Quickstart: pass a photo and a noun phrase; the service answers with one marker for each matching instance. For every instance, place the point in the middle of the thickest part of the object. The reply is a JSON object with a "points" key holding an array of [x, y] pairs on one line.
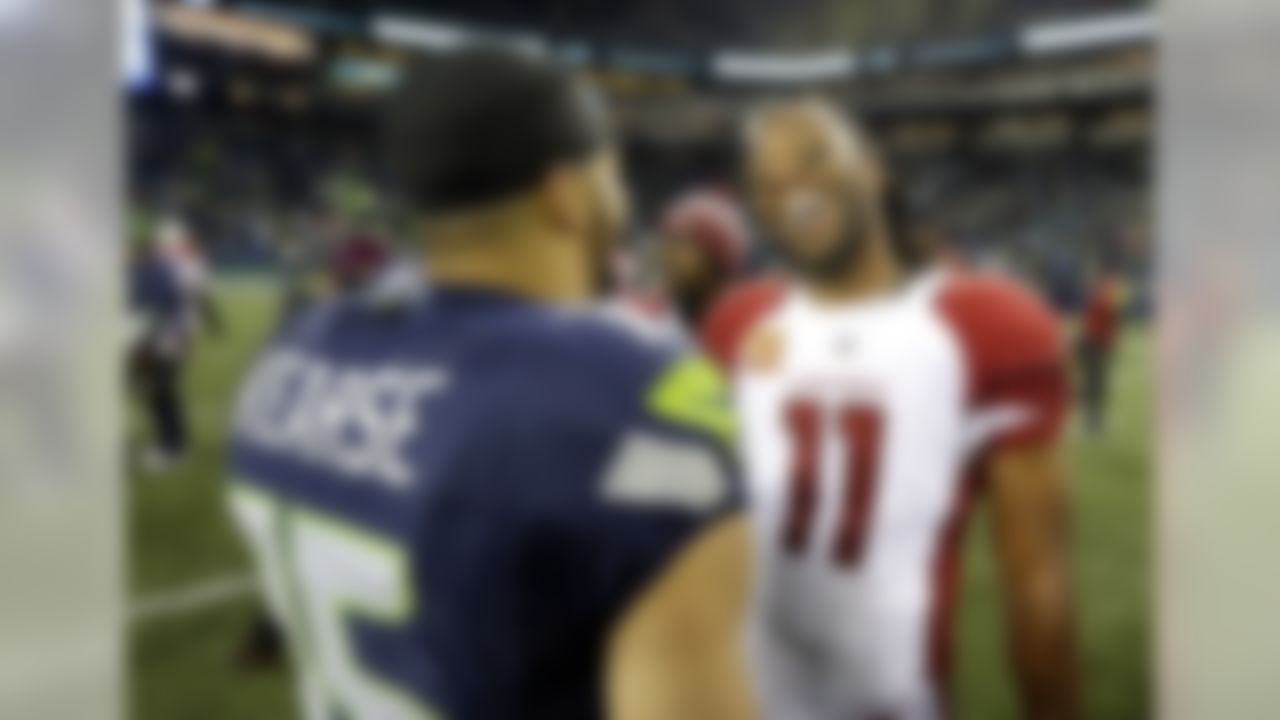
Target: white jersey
{"points": [[858, 425]]}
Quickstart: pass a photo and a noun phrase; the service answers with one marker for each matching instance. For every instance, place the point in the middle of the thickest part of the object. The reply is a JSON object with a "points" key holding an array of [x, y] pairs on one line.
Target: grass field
{"points": [[191, 609]]}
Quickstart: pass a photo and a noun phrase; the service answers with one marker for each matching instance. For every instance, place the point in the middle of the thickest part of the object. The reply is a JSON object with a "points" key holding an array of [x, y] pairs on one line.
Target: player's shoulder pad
{"points": [[579, 393], [663, 379], [690, 392], [678, 453], [735, 313], [606, 343], [1001, 324]]}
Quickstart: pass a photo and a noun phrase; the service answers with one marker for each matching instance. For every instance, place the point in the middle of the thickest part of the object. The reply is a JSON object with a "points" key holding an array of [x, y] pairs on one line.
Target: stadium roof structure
{"points": [[1090, 66], [731, 43], [682, 25]]}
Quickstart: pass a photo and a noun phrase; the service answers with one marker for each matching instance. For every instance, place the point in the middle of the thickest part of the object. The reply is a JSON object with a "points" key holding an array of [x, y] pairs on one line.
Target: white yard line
{"points": [[192, 598]]}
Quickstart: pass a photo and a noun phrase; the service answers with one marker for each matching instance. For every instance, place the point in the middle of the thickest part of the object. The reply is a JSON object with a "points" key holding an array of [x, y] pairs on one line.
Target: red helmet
{"points": [[358, 257], [711, 219]]}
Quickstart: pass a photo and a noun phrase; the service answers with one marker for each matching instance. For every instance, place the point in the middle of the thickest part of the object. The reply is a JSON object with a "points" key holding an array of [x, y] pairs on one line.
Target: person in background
{"points": [[303, 257], [358, 258], [159, 330], [178, 248], [1096, 346], [701, 251]]}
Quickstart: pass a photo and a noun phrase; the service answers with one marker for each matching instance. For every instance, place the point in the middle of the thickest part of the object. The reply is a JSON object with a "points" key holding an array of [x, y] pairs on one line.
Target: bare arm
{"points": [[1030, 513], [678, 653]]}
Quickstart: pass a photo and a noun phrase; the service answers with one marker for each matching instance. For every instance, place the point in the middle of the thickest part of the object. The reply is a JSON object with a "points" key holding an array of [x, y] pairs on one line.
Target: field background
{"points": [[192, 599]]}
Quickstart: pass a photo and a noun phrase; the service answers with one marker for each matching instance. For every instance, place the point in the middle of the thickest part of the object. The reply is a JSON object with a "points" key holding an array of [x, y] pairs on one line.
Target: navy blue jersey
{"points": [[451, 502]]}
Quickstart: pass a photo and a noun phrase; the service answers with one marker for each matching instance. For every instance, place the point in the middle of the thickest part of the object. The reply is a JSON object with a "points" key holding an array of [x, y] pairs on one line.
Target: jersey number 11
{"points": [[859, 430]]}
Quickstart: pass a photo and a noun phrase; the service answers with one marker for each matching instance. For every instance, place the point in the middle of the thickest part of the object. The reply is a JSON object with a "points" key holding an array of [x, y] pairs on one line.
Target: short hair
{"points": [[477, 125]]}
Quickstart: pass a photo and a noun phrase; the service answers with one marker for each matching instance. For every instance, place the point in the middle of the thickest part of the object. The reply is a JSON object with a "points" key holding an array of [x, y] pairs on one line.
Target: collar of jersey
{"points": [[913, 285], [477, 296]]}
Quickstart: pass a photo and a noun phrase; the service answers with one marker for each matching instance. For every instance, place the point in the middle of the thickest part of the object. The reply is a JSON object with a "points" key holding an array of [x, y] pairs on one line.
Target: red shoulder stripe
{"points": [[733, 315]]}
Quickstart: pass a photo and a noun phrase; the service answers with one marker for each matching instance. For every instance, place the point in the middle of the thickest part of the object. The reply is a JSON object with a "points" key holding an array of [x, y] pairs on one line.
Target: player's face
{"points": [[684, 263], [811, 183], [692, 279]]}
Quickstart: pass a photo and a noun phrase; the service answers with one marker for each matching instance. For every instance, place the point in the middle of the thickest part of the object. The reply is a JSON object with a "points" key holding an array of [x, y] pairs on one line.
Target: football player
{"points": [[483, 502], [878, 398], [701, 252], [703, 249]]}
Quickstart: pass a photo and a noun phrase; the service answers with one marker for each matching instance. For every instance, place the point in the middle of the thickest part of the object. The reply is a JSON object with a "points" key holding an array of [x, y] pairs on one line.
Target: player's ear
{"points": [[560, 199]]}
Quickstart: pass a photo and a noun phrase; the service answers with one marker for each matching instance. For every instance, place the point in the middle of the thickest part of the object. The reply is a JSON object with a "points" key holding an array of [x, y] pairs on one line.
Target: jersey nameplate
{"points": [[356, 421]]}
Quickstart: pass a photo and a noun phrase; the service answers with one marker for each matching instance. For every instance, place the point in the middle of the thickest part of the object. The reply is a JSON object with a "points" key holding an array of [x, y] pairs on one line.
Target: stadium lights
{"points": [[421, 34], [436, 36], [737, 65], [1087, 34], [236, 31], [740, 66]]}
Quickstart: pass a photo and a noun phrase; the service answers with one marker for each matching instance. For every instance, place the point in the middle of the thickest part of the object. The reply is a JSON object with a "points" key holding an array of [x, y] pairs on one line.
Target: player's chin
{"points": [[815, 260]]}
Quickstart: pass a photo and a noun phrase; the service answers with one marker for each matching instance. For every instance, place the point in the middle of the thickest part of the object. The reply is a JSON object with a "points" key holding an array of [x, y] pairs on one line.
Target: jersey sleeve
{"points": [[612, 491], [1017, 378], [725, 327]]}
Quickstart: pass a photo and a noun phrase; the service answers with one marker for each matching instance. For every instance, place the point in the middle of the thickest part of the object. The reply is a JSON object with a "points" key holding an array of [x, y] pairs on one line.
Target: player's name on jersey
{"points": [[356, 421]]}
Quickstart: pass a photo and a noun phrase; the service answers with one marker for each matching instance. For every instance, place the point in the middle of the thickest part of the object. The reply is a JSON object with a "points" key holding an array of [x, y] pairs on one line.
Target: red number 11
{"points": [[860, 430]]}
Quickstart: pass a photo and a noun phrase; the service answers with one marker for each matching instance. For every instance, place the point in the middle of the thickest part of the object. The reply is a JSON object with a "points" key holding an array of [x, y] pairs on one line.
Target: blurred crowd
{"points": [[257, 201]]}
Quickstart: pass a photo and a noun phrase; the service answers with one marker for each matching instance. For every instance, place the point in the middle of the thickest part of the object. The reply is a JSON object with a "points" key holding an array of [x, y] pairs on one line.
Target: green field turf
{"points": [[180, 538]]}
